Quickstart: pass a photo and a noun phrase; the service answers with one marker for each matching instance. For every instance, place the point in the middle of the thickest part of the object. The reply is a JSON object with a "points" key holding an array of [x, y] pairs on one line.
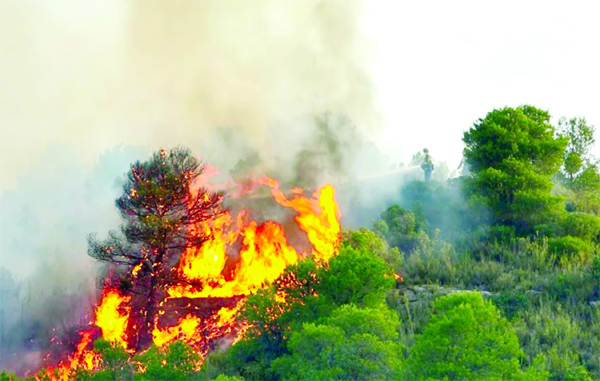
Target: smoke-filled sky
{"points": [[88, 87], [444, 64]]}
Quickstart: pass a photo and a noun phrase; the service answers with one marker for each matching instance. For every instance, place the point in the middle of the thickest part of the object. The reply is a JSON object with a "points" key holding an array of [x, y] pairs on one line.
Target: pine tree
{"points": [[158, 210]]}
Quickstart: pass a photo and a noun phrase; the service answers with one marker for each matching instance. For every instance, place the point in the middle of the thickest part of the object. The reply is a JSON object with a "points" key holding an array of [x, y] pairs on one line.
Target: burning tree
{"points": [[182, 266], [159, 213]]}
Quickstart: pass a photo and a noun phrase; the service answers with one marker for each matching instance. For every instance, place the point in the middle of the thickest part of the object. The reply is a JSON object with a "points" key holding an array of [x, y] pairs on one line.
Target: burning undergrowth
{"points": [[186, 264]]}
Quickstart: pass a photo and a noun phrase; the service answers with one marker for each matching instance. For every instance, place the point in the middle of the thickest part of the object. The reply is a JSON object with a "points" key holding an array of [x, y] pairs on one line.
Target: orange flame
{"points": [[263, 253], [185, 329], [112, 315], [82, 358], [318, 217]]}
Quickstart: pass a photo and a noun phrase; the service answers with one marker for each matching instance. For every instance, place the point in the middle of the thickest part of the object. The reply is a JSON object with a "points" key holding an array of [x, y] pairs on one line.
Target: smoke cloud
{"points": [[157, 73], [282, 88]]}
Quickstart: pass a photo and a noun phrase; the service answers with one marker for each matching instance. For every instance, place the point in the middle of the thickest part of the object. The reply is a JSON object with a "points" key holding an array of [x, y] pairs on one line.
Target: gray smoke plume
{"points": [[157, 73], [282, 88]]}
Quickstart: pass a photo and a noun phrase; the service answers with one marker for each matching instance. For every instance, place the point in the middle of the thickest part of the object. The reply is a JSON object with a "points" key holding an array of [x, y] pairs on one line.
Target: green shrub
{"points": [[352, 344], [467, 338], [502, 233], [433, 265], [568, 245], [511, 303], [570, 344], [413, 314], [582, 225], [222, 377], [364, 239], [402, 229], [355, 276], [573, 287]]}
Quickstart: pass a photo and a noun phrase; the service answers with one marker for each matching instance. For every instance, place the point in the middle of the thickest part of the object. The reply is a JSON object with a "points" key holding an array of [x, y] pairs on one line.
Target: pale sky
{"points": [[79, 78], [444, 64], [68, 77]]}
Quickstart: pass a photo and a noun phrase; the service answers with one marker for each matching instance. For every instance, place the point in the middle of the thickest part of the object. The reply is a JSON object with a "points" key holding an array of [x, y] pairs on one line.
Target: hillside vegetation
{"points": [[492, 275]]}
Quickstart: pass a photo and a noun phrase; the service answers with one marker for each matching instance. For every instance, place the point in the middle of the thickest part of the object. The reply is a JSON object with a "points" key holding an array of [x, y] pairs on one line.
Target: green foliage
{"points": [[517, 194], [249, 359], [513, 154], [177, 361], [355, 276], [4, 376], [401, 228], [468, 339], [568, 346], [223, 377], [581, 136], [523, 133], [572, 286], [576, 224], [353, 343], [594, 270], [573, 164], [115, 364], [501, 233], [568, 245], [584, 226], [372, 242], [588, 180]]}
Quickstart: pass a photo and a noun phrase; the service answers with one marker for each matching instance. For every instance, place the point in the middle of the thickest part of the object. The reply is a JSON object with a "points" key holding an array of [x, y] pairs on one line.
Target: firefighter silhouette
{"points": [[427, 164]]}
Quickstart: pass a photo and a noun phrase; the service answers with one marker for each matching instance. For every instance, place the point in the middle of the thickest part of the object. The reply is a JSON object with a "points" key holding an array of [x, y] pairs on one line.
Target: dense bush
{"points": [[468, 339], [569, 347], [352, 344], [568, 245], [402, 228], [313, 312]]}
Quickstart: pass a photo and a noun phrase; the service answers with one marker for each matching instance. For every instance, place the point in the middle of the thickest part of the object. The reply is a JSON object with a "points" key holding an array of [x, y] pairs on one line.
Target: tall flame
{"points": [[112, 315], [238, 258], [318, 217]]}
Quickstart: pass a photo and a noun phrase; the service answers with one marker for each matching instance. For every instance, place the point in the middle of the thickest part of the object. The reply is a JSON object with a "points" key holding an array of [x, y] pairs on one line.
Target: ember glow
{"points": [[239, 257]]}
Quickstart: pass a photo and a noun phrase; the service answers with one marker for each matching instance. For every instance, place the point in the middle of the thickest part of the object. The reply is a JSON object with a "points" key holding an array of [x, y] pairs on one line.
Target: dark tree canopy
{"points": [[158, 210], [523, 134], [513, 154]]}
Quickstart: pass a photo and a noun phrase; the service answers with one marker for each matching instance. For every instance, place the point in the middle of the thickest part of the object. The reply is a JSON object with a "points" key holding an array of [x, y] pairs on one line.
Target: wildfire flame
{"points": [[82, 358], [261, 253], [112, 315]]}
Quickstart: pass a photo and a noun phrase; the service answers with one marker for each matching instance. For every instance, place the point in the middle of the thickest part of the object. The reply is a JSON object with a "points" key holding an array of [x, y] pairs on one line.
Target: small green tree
{"points": [[355, 276], [401, 228], [352, 344], [176, 361], [364, 239], [158, 209], [466, 338], [513, 154], [581, 139]]}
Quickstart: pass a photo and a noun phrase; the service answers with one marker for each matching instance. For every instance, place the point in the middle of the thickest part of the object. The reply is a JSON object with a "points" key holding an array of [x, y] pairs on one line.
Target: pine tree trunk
{"points": [[151, 306]]}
